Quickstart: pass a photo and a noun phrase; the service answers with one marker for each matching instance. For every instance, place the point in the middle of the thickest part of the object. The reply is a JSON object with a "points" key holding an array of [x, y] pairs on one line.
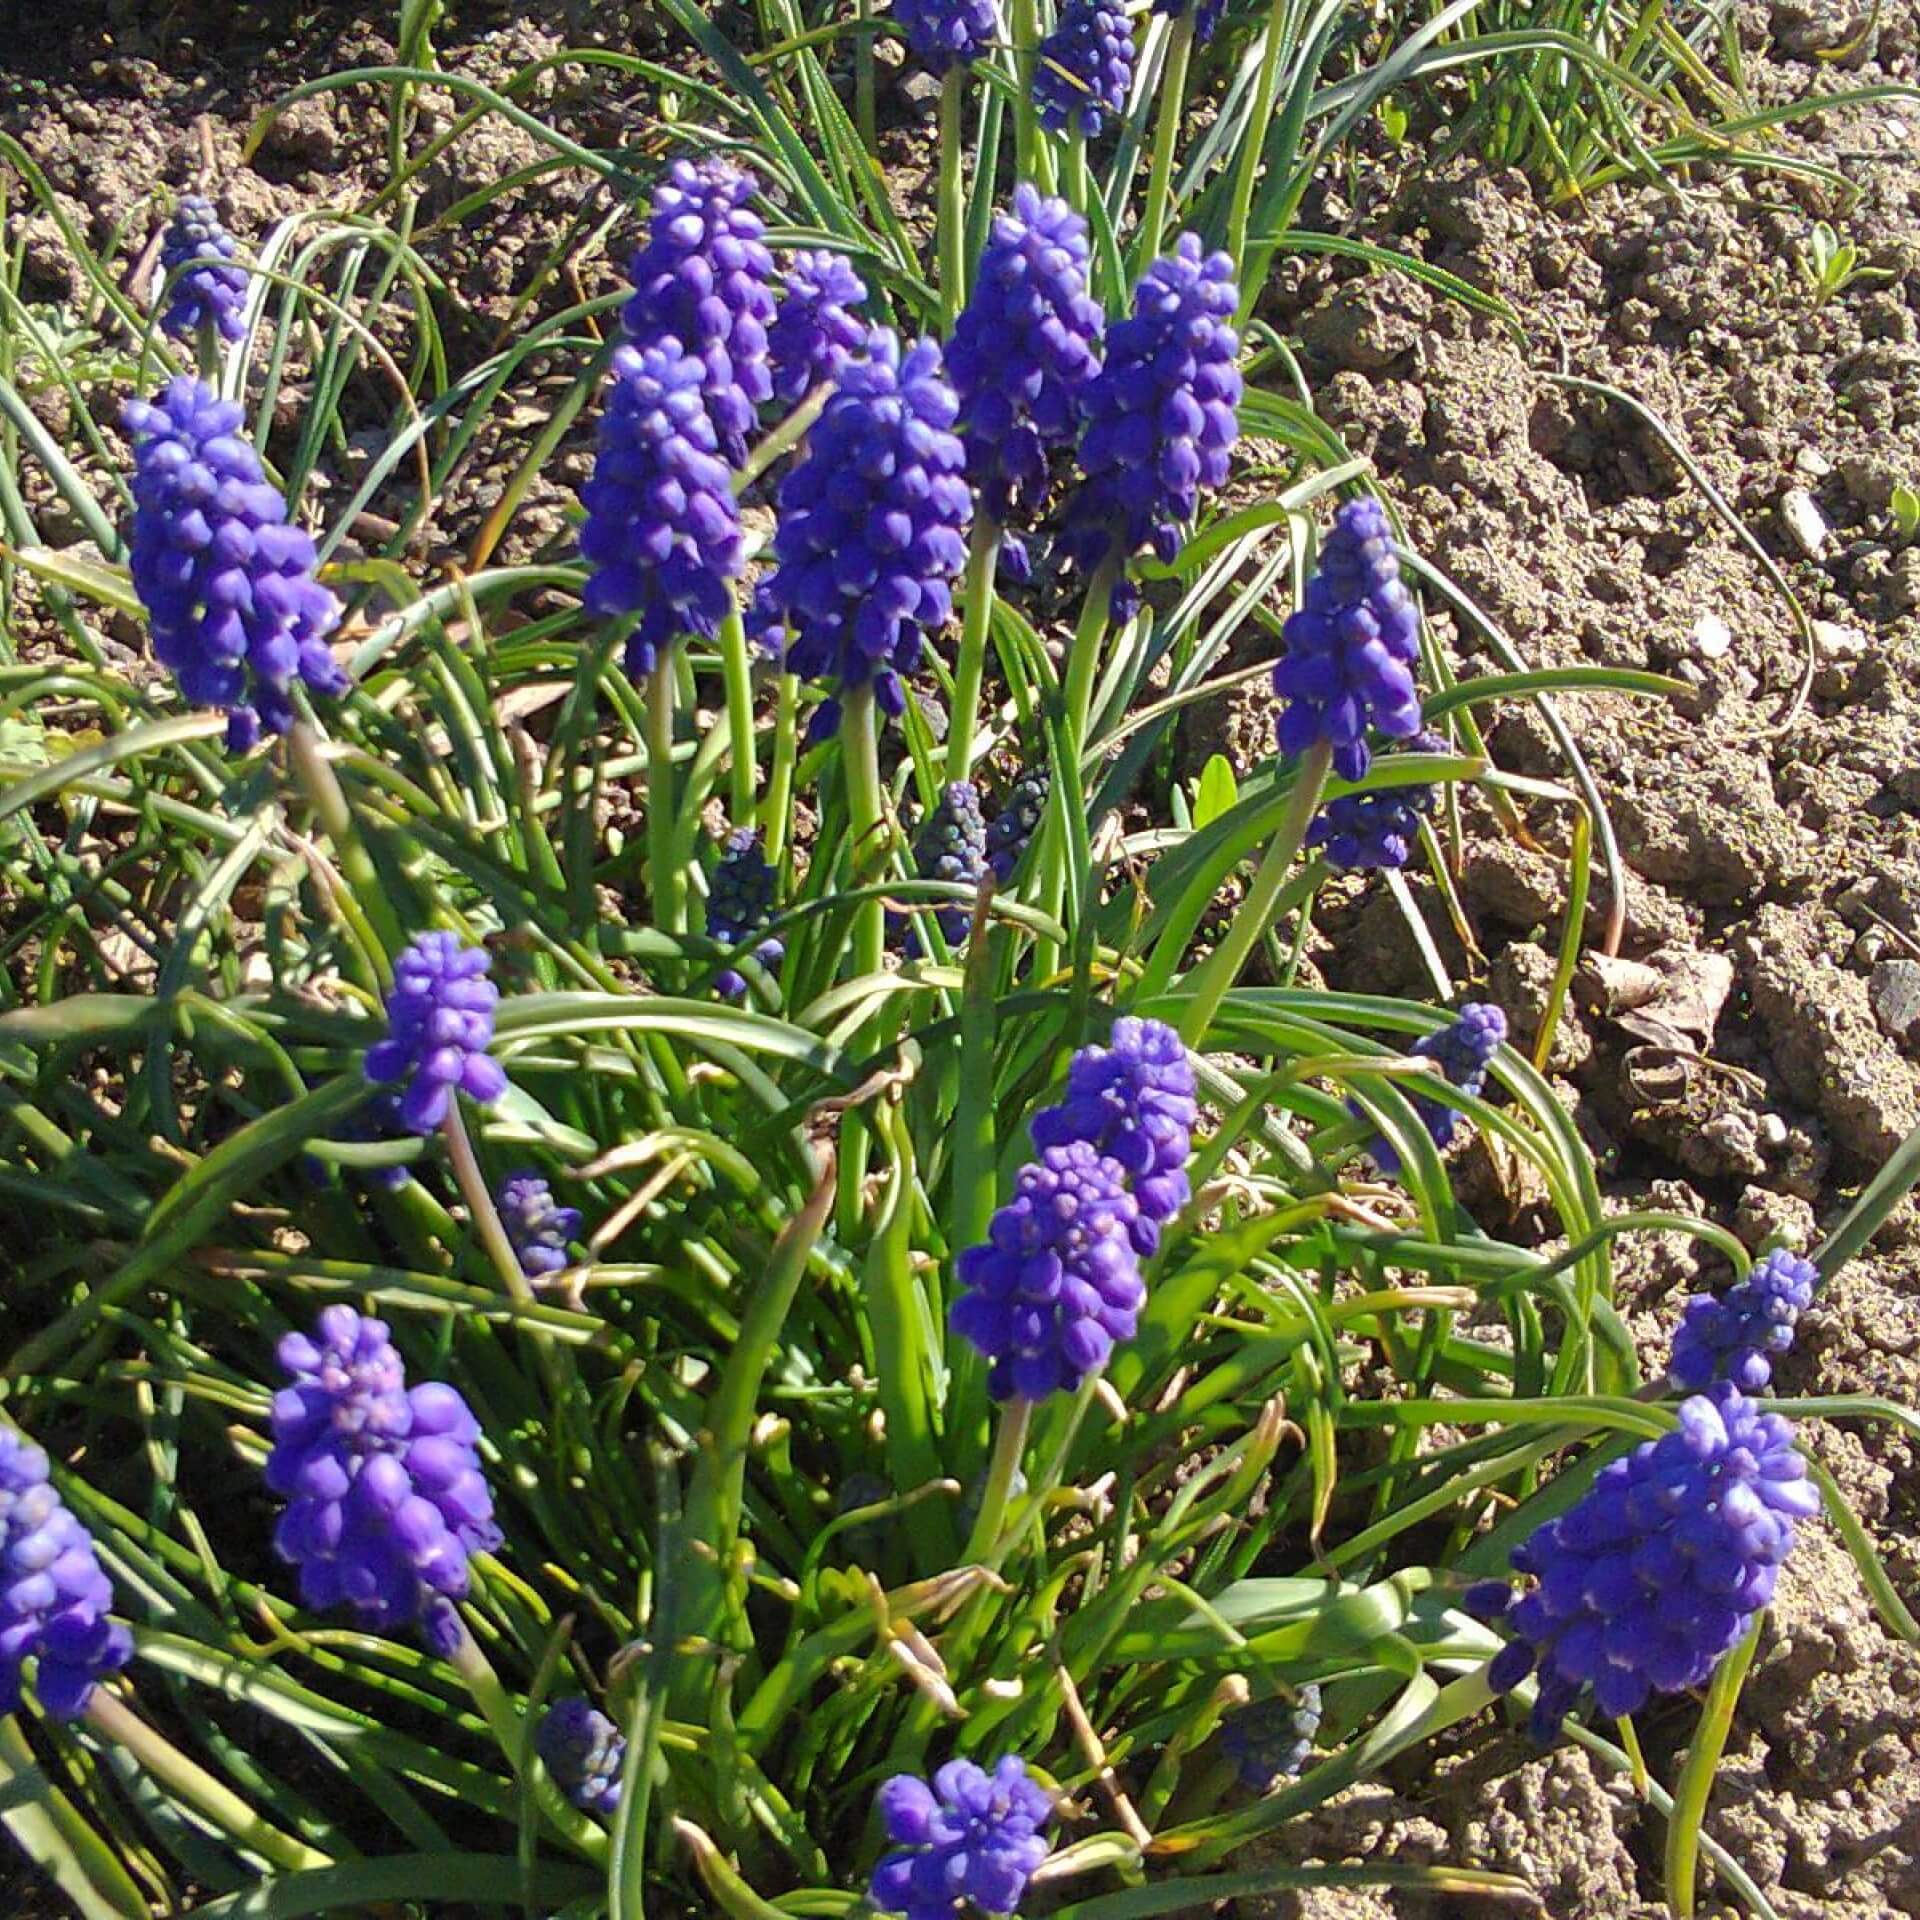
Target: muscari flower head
{"points": [[1734, 1335], [1351, 647], [952, 846], [1056, 1284], [439, 1027], [53, 1595], [212, 291], [816, 330], [942, 34], [1084, 68], [1024, 349], [584, 1752], [873, 526], [739, 904], [1133, 1101], [1206, 15], [1659, 1568], [965, 1837], [538, 1228], [228, 585], [386, 1498], [1270, 1740], [662, 532], [1162, 415], [1363, 831], [705, 278], [1018, 820], [1465, 1051]]}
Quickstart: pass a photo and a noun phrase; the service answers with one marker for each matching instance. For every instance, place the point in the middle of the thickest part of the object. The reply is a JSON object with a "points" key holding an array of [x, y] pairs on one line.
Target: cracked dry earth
{"points": [[1751, 1056]]}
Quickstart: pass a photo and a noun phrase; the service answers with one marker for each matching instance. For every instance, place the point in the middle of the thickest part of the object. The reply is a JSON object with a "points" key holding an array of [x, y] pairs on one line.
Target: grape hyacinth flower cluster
{"points": [[1271, 1739], [439, 1027], [943, 34], [1162, 416], [537, 1226], [1024, 349], [1084, 69], [386, 1499], [739, 904], [1134, 1101], [1351, 647], [1658, 1570], [952, 846], [1361, 832], [662, 532], [1018, 820], [873, 526], [705, 278], [212, 291], [967, 1836], [1734, 1335], [584, 1752], [53, 1595], [1465, 1051], [228, 585], [1206, 16], [815, 331]]}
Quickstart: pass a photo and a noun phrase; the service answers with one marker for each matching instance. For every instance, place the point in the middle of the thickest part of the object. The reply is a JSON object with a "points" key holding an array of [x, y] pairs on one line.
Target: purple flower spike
{"points": [[1351, 647], [439, 1027], [873, 525], [228, 585], [386, 1500], [705, 278], [951, 846], [538, 1228], [1084, 71], [947, 33], [1206, 16], [1734, 1335], [1134, 1102], [1657, 1571], [1271, 1740], [1056, 1284], [1162, 416], [739, 904], [1018, 820], [662, 532], [968, 1837], [1360, 832], [584, 1752], [816, 330], [53, 1595], [213, 291], [1024, 350], [1465, 1051]]}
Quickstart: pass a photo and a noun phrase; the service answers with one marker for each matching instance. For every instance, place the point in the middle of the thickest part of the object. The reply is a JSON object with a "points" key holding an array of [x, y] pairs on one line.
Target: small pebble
{"points": [[1804, 522], [1893, 991]]}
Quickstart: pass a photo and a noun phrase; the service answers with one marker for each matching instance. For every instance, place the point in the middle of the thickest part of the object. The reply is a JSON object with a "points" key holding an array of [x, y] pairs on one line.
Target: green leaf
{"points": [[1217, 792]]}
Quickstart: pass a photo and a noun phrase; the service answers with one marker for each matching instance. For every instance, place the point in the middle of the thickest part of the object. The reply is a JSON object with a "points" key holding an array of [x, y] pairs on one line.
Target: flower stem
{"points": [[1030, 156], [1252, 148], [666, 882], [485, 1215], [1079, 192], [864, 115], [1221, 968], [952, 212], [736, 667], [860, 762], [786, 753], [1009, 1443], [163, 1762], [1173, 98], [969, 668]]}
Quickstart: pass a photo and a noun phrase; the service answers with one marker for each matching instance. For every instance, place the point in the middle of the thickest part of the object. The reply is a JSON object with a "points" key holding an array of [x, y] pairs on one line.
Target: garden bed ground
{"points": [[1773, 844]]}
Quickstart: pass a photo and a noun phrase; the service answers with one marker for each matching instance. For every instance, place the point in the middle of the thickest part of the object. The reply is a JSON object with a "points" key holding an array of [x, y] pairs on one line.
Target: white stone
{"points": [[1804, 521]]}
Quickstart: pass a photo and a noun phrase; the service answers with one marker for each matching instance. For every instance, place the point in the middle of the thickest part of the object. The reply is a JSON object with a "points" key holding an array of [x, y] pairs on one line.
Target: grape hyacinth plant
{"points": [[816, 328], [1012, 828], [1464, 1050], [1206, 15], [1378, 831], [538, 1227], [1084, 69], [965, 1838], [1737, 1335], [1655, 1574], [211, 293], [952, 846], [1272, 1740], [584, 1752], [228, 584], [739, 905], [439, 1027], [943, 35]]}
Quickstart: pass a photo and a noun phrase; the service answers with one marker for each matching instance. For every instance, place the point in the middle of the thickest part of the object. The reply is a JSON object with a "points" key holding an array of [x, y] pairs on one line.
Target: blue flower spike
{"points": [[965, 1839], [1084, 69], [1737, 1335], [212, 291], [439, 1027]]}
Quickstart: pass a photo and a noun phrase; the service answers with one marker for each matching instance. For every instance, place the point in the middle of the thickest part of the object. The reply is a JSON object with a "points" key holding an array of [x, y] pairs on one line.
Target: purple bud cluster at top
{"points": [[1206, 15], [1133, 1101], [1734, 1335], [1084, 69], [1162, 416], [705, 278], [1271, 1739], [1024, 349], [439, 1027], [584, 1752], [942, 34], [386, 1499], [1351, 647], [212, 291], [1659, 1568], [228, 585], [1018, 820], [739, 904], [967, 1838], [1362, 831], [952, 846], [53, 1595], [538, 1228], [1465, 1051], [816, 330], [662, 532], [873, 526]]}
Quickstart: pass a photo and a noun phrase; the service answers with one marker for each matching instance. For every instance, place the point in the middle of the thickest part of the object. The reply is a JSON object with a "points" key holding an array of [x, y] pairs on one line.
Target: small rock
{"points": [[1805, 524], [1812, 463], [1893, 991], [1837, 645], [1712, 637], [921, 91]]}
